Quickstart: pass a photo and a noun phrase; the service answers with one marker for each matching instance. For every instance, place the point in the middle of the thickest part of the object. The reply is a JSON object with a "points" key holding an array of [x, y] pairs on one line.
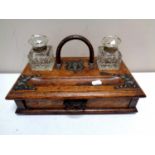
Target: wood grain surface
{"points": [[52, 88]]}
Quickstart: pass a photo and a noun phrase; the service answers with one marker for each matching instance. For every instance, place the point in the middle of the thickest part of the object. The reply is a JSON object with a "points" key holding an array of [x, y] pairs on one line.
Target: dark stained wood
{"points": [[73, 37], [51, 88], [71, 112], [133, 102], [20, 104]]}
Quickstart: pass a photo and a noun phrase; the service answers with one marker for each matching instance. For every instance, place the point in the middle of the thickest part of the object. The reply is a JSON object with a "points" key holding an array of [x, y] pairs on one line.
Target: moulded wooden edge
{"points": [[76, 112]]}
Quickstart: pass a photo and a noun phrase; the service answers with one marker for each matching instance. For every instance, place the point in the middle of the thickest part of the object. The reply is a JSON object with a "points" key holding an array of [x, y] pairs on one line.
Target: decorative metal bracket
{"points": [[75, 66], [22, 83], [75, 104], [128, 82]]}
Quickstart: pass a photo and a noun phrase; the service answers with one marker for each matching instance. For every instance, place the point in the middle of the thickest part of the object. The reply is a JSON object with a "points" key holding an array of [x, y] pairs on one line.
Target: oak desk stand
{"points": [[68, 89]]}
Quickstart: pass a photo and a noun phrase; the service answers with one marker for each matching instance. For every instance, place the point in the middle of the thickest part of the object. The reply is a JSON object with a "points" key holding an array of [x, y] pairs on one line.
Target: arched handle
{"points": [[73, 37]]}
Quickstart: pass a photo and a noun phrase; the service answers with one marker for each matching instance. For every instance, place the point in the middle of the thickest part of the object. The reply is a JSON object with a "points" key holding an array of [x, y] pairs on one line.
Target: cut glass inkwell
{"points": [[109, 56], [41, 55]]}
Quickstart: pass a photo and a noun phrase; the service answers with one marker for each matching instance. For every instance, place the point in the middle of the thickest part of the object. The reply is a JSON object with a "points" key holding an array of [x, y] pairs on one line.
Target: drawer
{"points": [[78, 103]]}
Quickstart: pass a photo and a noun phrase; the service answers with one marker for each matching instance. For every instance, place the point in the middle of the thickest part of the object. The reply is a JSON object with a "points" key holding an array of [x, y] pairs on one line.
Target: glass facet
{"points": [[111, 41], [109, 57], [38, 40], [40, 56]]}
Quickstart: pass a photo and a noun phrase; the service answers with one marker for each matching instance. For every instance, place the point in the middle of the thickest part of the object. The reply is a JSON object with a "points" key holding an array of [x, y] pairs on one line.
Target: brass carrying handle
{"points": [[73, 37]]}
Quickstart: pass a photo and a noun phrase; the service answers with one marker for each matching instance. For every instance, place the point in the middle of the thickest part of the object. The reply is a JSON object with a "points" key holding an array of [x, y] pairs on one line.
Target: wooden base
{"points": [[66, 92], [72, 112]]}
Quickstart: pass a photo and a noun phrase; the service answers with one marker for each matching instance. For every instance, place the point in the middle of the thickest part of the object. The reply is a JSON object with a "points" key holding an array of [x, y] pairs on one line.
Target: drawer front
{"points": [[109, 103], [44, 104], [79, 104]]}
